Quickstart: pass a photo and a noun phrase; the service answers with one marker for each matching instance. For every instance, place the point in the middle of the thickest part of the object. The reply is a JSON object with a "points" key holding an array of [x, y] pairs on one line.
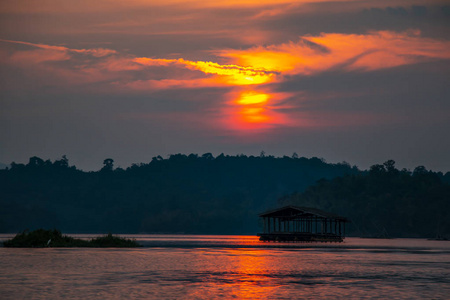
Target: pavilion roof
{"points": [[291, 211]]}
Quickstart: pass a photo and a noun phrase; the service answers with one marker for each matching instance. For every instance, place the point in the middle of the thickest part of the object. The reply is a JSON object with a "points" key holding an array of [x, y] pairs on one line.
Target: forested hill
{"points": [[181, 194], [385, 202]]}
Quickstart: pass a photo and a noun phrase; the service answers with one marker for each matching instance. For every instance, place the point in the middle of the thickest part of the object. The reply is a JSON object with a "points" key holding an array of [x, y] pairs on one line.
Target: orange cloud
{"points": [[228, 74], [366, 52]]}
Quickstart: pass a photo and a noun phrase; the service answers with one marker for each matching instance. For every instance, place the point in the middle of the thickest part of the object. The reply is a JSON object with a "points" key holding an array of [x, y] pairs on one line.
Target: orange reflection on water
{"points": [[246, 274], [254, 281]]}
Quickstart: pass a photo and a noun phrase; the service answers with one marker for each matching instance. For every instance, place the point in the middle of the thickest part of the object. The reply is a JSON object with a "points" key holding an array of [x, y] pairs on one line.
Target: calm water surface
{"points": [[211, 267]]}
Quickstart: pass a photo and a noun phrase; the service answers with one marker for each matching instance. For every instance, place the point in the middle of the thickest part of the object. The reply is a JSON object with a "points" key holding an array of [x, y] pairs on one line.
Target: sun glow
{"points": [[253, 111], [253, 107], [252, 98]]}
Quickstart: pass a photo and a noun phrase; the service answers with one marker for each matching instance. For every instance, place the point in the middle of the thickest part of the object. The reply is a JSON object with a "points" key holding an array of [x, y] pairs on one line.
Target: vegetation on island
{"points": [[54, 238], [384, 202], [220, 195]]}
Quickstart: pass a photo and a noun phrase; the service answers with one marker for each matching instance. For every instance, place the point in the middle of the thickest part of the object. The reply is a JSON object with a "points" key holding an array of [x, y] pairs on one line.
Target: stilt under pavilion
{"points": [[302, 224]]}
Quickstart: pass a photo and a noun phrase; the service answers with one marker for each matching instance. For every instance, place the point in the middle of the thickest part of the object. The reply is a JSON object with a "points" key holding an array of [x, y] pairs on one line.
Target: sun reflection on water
{"points": [[254, 280], [246, 274]]}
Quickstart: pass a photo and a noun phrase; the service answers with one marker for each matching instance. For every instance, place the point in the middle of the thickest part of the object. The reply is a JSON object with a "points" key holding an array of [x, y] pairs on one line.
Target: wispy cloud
{"points": [[96, 52]]}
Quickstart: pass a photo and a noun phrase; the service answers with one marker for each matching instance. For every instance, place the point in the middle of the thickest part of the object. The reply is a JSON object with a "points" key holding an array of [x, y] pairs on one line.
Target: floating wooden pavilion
{"points": [[302, 224]]}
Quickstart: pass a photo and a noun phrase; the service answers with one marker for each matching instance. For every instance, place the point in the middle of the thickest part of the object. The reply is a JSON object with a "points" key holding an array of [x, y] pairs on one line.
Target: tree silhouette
{"points": [[108, 165]]}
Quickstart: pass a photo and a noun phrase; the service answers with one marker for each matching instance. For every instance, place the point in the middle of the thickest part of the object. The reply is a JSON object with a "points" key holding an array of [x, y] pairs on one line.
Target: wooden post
{"points": [[344, 229], [335, 226], [340, 233]]}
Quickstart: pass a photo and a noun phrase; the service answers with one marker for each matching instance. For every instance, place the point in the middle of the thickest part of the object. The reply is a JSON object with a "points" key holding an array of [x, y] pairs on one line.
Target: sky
{"points": [[354, 81]]}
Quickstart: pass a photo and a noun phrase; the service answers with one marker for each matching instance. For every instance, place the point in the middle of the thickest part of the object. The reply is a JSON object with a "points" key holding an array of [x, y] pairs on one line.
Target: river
{"points": [[227, 267]]}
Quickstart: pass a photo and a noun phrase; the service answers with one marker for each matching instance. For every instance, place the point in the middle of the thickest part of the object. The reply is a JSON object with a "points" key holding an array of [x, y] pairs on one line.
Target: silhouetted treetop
{"points": [[108, 165]]}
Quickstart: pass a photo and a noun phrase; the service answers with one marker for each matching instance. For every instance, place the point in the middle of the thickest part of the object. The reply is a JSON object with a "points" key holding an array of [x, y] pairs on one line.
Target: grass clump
{"points": [[41, 238], [112, 241]]}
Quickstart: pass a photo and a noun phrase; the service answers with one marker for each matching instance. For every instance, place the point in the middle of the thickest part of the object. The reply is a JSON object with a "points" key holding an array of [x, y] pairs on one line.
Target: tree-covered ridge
{"points": [[183, 193], [385, 201]]}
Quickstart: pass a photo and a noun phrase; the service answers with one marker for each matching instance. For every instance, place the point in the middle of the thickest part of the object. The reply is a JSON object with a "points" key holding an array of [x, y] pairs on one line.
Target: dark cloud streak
{"points": [[431, 20]]}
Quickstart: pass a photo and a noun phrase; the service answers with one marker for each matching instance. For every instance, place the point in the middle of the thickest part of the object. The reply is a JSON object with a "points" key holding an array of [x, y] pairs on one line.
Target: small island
{"points": [[41, 238]]}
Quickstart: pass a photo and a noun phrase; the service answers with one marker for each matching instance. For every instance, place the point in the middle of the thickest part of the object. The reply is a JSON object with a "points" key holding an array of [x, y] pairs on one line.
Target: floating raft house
{"points": [[302, 224]]}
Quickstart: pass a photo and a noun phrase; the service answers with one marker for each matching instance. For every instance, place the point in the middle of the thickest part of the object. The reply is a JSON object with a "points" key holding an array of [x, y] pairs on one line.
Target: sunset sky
{"points": [[355, 81]]}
